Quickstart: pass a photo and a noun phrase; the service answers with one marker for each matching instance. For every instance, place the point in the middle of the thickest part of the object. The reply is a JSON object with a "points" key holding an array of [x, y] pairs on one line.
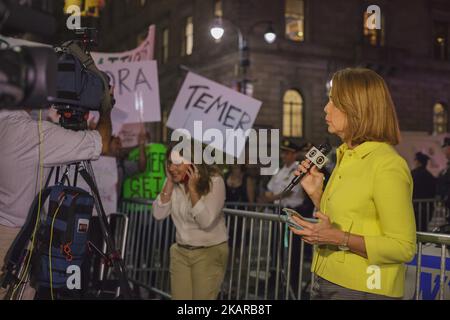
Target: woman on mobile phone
{"points": [[366, 231], [194, 196]]}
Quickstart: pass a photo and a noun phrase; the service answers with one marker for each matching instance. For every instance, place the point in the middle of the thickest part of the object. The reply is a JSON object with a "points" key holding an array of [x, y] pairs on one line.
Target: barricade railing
{"points": [[430, 213], [265, 261], [442, 243]]}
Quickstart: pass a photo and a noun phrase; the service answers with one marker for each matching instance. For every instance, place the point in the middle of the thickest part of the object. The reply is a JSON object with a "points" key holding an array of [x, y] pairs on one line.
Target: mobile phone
{"points": [[287, 218], [289, 213], [186, 176]]}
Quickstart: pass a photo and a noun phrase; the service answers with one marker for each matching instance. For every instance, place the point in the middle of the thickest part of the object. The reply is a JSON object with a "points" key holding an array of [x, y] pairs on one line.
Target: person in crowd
{"points": [[240, 187], [443, 180], [293, 199], [424, 188], [283, 177], [424, 181], [194, 196], [366, 231], [127, 168]]}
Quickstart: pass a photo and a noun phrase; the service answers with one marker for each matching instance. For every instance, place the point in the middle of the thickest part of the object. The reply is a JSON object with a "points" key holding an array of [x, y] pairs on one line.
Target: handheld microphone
{"points": [[318, 158]]}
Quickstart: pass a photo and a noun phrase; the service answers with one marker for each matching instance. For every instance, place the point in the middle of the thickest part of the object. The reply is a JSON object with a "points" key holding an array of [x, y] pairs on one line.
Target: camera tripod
{"points": [[17, 282]]}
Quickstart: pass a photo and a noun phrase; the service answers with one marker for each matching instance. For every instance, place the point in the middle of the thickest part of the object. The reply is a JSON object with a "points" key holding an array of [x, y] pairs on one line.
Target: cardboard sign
{"points": [[143, 52], [135, 80], [136, 92], [217, 107], [147, 185]]}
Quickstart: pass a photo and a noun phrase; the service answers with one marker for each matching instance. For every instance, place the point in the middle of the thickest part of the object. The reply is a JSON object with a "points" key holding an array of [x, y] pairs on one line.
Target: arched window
{"points": [[292, 114], [439, 118]]}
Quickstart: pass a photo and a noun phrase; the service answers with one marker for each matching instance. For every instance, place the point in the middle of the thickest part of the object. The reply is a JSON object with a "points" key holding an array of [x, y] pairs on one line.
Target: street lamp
{"points": [[217, 32], [270, 36]]}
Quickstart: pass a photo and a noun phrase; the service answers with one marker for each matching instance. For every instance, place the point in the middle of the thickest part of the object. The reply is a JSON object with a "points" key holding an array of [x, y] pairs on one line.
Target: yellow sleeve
{"points": [[392, 192]]}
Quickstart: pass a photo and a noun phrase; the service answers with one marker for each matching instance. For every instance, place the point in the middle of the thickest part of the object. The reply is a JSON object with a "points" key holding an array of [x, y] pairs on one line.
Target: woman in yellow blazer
{"points": [[366, 231]]}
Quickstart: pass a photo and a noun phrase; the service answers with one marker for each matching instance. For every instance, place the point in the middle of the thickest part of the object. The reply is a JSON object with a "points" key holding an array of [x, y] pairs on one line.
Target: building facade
{"points": [[315, 38]]}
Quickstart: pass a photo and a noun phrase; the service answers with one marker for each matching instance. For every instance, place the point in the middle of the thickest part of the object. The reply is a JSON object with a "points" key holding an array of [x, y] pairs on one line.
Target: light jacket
{"points": [[369, 194]]}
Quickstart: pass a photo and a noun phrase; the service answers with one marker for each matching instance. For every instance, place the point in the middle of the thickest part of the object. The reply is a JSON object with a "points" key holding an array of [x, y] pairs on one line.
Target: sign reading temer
{"points": [[217, 107]]}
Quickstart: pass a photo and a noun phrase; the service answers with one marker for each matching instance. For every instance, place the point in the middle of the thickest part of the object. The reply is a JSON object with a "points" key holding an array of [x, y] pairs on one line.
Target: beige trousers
{"points": [[197, 274]]}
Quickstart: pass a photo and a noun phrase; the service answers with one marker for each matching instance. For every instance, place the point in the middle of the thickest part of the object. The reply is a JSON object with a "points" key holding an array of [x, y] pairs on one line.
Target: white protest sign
{"points": [[143, 52], [217, 107], [136, 92], [138, 102]]}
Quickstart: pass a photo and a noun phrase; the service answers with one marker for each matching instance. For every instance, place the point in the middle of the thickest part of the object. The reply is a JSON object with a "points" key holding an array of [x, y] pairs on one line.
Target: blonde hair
{"points": [[365, 99]]}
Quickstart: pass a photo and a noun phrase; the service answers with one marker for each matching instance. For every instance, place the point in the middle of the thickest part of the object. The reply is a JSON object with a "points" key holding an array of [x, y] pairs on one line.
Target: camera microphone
{"points": [[318, 158]]}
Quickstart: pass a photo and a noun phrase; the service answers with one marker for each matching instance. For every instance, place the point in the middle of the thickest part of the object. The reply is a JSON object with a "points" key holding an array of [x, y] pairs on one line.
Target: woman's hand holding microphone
{"points": [[312, 182]]}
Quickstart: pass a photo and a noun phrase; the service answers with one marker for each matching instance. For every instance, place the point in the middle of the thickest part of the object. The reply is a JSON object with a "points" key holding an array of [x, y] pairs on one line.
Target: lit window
{"points": [[218, 8], [292, 114], [373, 36], [439, 118], [188, 37], [295, 20], [440, 40], [165, 45]]}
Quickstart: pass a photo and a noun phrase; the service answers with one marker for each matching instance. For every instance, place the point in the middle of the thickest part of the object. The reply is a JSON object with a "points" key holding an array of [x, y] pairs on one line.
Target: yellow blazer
{"points": [[369, 194]]}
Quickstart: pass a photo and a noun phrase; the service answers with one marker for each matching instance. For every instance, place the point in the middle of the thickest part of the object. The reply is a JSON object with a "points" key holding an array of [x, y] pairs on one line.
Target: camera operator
{"points": [[27, 145]]}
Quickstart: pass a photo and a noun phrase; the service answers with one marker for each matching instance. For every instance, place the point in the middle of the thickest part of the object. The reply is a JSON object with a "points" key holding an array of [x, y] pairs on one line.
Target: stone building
{"points": [[314, 39]]}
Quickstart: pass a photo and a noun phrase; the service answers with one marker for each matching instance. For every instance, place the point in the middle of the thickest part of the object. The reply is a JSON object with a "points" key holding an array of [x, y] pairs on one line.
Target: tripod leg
{"points": [[117, 262]]}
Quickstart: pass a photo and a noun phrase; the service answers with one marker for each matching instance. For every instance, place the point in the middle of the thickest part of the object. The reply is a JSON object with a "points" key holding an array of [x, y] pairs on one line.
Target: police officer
{"points": [[443, 181], [283, 177], [295, 200]]}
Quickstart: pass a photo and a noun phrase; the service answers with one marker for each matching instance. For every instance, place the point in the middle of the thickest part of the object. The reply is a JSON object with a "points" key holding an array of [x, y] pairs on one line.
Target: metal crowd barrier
{"points": [[147, 249], [265, 261], [430, 213], [262, 263], [440, 242]]}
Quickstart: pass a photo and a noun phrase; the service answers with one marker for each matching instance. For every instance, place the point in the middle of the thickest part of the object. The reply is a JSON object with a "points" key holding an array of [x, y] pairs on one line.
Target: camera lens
{"points": [[312, 153]]}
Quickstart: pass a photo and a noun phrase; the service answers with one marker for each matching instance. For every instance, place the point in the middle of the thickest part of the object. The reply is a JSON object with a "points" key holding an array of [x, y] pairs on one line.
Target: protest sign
{"points": [[217, 107], [143, 52], [147, 185]]}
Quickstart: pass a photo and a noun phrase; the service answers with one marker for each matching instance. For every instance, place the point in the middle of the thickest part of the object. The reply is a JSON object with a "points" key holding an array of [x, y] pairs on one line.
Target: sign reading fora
{"points": [[136, 92], [216, 106]]}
